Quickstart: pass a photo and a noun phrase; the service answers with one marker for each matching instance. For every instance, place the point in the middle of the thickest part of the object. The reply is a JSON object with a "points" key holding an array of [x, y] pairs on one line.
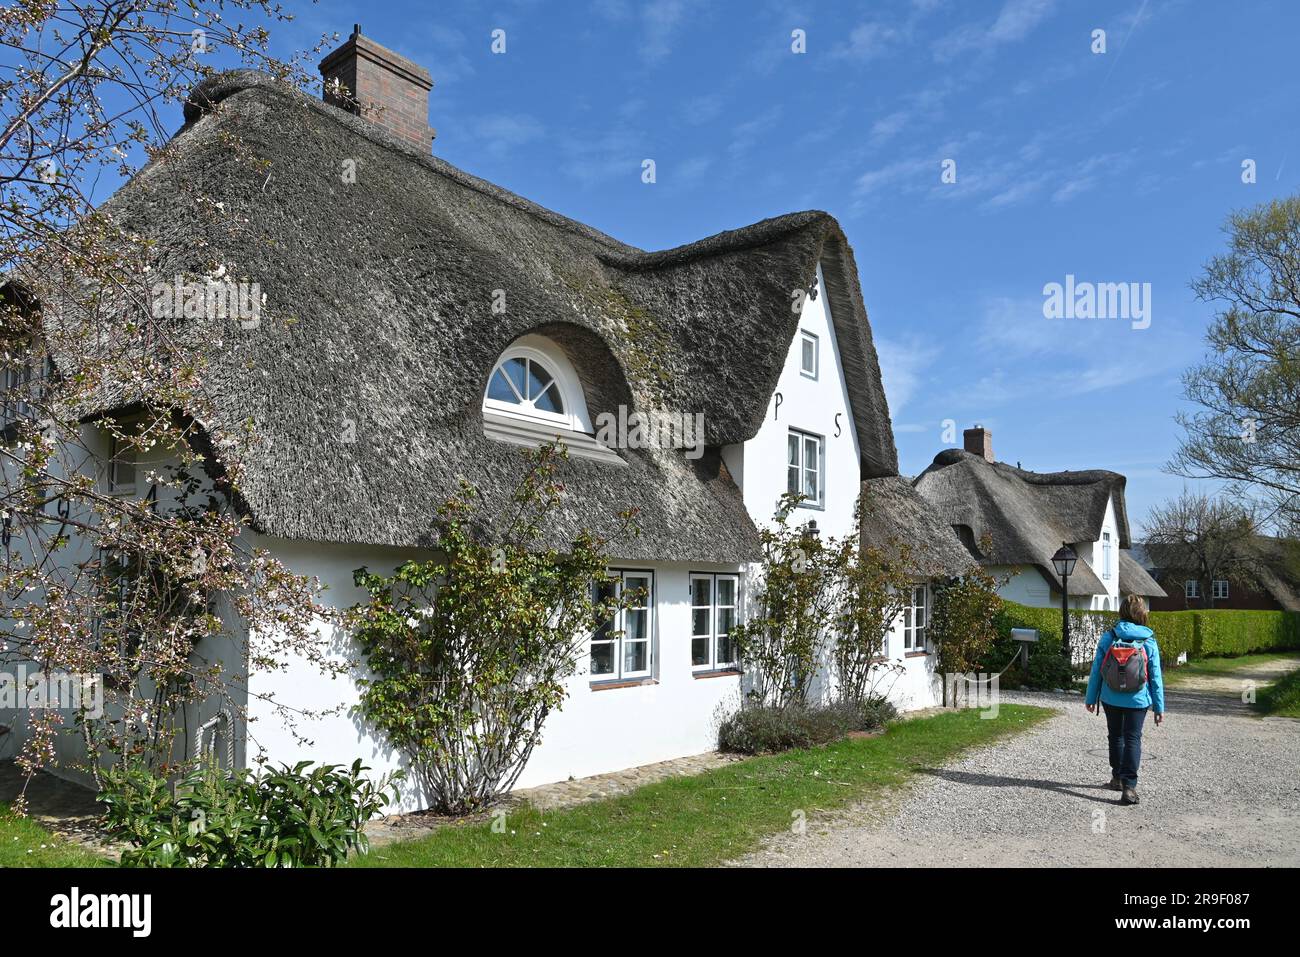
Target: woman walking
{"points": [[1126, 679]]}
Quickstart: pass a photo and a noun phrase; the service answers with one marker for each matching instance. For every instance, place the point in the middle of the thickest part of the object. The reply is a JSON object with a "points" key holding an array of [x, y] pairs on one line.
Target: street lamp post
{"points": [[1063, 561]]}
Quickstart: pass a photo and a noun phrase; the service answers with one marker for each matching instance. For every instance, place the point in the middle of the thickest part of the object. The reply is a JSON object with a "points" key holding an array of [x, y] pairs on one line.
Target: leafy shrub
{"points": [[469, 652], [1047, 672], [765, 729], [875, 714], [287, 817]]}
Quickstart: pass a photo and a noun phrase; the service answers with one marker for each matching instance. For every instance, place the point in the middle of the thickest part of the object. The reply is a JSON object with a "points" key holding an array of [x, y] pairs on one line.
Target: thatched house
{"points": [[420, 325], [1262, 574], [1012, 521]]}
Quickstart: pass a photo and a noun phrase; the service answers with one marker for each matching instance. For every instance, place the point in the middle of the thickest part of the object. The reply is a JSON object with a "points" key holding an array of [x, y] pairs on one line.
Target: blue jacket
{"points": [[1151, 694]]}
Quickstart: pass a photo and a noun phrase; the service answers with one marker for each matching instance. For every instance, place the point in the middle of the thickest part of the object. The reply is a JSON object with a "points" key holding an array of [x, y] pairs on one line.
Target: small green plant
{"points": [[964, 622], [285, 817]]}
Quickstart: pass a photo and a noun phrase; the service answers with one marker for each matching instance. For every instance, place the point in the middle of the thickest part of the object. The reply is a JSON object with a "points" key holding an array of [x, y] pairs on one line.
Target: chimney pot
{"points": [[381, 86], [978, 441]]}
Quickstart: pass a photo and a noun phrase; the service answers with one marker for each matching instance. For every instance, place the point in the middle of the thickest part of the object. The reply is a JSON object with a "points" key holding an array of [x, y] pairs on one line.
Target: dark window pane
{"points": [[700, 589], [726, 591], [517, 370], [549, 401], [636, 624], [500, 390], [602, 659], [726, 620], [792, 449], [700, 621], [634, 655], [699, 651], [538, 380]]}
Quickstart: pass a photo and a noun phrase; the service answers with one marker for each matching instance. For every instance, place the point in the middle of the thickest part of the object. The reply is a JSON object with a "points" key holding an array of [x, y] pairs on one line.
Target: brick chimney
{"points": [[978, 441], [369, 80]]}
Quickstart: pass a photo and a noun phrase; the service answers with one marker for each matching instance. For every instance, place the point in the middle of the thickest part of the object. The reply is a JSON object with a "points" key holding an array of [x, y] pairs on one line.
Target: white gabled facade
{"points": [[608, 723], [1025, 584]]}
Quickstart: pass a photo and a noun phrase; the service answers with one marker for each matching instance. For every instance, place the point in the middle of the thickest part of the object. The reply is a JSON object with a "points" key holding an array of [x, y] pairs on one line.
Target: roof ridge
{"points": [[212, 90]]}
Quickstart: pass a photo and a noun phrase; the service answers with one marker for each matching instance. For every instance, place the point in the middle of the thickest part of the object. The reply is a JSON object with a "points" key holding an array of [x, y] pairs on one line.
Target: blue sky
{"points": [[1113, 167]]}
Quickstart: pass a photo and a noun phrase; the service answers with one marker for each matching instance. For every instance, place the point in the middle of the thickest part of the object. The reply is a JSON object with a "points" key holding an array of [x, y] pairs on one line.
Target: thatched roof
{"points": [[1134, 580], [1267, 563], [379, 297], [1026, 515], [895, 514]]}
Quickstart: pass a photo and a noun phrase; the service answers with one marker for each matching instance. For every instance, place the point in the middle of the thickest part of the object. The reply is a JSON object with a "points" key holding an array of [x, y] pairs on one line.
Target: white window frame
{"points": [[712, 640], [912, 643], [1215, 592], [1192, 588], [115, 486], [806, 338], [17, 386], [1105, 555], [619, 639], [570, 395], [803, 467]]}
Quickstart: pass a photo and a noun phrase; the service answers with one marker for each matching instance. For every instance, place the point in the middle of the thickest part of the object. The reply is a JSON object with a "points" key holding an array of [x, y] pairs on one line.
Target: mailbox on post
{"points": [[1024, 636]]}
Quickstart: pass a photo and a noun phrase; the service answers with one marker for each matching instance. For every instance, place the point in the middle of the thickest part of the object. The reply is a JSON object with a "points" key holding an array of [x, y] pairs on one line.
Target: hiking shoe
{"points": [[1115, 785], [1130, 796]]}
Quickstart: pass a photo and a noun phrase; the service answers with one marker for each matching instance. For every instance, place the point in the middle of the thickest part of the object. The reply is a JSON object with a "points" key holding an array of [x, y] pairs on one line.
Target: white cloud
{"points": [[504, 132], [1015, 21], [869, 40]]}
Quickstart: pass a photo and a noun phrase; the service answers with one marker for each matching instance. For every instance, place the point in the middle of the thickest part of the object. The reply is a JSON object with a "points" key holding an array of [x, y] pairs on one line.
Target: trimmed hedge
{"points": [[1175, 634], [1233, 632], [1198, 634]]}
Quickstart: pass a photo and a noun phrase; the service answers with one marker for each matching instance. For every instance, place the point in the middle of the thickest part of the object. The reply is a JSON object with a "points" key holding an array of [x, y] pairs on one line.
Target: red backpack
{"points": [[1125, 667]]}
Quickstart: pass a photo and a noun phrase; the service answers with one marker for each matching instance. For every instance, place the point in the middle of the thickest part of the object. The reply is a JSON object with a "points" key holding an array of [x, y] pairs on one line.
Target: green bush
{"points": [[1048, 672], [766, 729], [281, 818]]}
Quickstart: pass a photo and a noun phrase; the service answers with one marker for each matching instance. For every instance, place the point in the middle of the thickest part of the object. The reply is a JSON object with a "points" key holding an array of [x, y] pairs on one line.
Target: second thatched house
{"points": [[1013, 521]]}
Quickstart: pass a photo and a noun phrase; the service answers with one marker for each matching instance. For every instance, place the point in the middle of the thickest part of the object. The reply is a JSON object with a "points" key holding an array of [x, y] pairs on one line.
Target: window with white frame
{"points": [[1220, 589], [122, 464], [808, 354], [806, 467], [714, 604], [1105, 555], [524, 383], [1192, 589], [916, 619], [621, 648], [17, 392]]}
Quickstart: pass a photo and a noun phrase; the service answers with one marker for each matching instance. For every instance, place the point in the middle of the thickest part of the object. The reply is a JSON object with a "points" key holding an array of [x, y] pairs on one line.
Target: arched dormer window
{"points": [[524, 383], [533, 395]]}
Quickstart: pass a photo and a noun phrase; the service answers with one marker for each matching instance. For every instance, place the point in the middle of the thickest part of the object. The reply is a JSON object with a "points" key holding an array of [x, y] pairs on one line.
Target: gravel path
{"points": [[1219, 787]]}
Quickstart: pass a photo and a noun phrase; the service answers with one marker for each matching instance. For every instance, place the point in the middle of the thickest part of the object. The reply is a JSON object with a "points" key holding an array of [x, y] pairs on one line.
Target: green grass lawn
{"points": [[705, 819], [1225, 667], [1282, 697], [24, 843]]}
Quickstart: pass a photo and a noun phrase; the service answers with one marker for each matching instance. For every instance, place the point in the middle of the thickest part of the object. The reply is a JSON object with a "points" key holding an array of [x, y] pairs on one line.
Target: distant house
{"points": [[442, 323], [1012, 521], [1273, 582]]}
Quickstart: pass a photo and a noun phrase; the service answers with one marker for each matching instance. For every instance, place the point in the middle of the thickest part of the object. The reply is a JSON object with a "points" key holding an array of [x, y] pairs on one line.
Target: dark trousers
{"points": [[1124, 727]]}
